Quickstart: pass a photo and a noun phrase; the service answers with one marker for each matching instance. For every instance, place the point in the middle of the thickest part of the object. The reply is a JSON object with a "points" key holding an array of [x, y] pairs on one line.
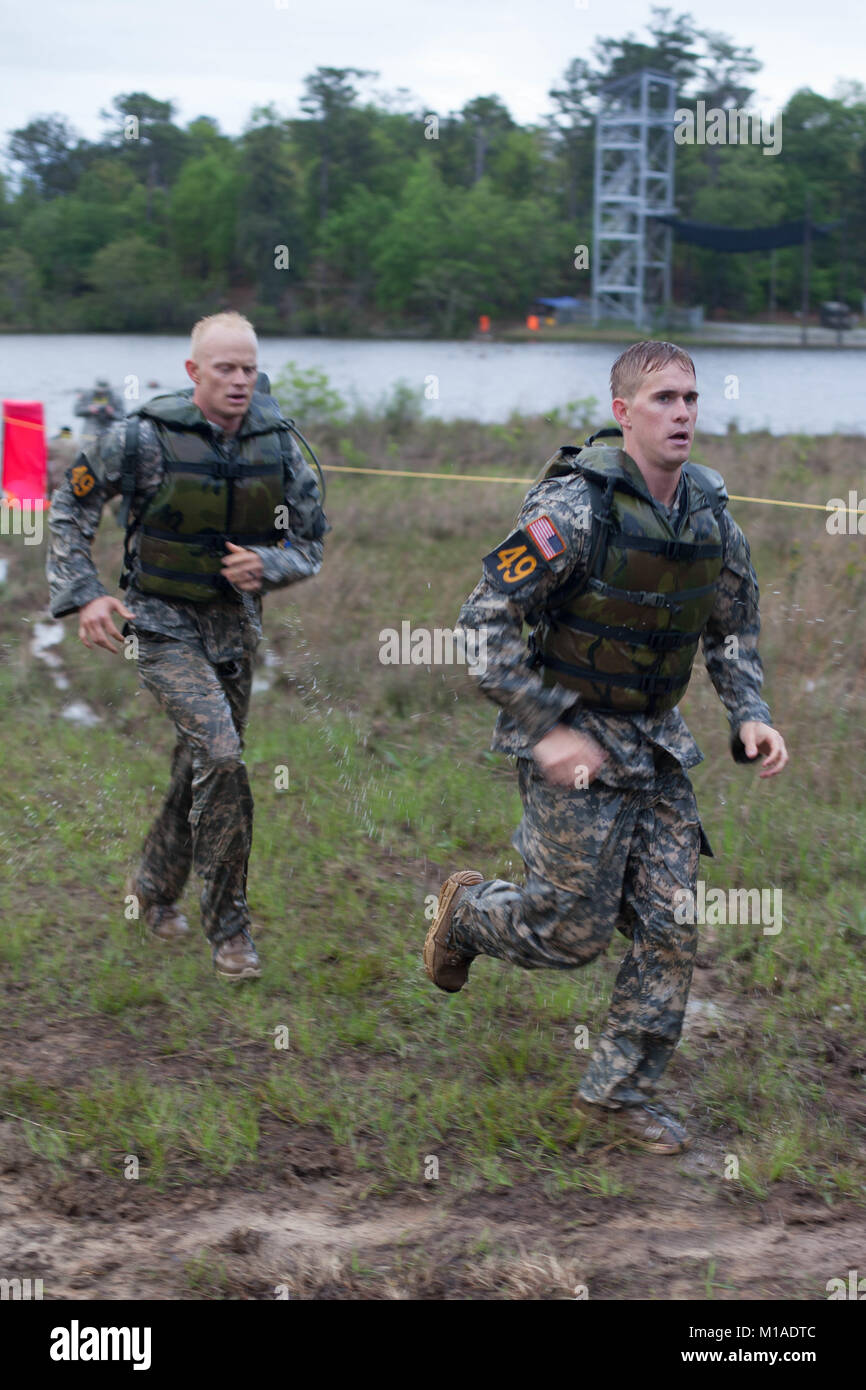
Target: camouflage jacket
{"points": [[227, 624], [529, 709]]}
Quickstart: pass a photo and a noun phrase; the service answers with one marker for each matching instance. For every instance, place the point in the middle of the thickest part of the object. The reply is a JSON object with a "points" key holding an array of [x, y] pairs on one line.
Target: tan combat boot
{"points": [[164, 920], [237, 958], [648, 1127], [446, 967]]}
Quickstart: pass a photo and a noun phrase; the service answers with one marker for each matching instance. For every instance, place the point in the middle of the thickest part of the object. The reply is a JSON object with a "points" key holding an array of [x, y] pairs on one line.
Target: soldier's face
{"points": [[225, 375], [658, 423]]}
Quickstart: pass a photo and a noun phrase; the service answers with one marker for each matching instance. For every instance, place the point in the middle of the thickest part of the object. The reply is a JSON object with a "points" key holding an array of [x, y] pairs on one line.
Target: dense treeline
{"points": [[373, 215]]}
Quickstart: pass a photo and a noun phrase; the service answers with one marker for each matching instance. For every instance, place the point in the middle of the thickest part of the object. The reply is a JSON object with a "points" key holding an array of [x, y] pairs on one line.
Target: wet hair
{"points": [[229, 319], [633, 364]]}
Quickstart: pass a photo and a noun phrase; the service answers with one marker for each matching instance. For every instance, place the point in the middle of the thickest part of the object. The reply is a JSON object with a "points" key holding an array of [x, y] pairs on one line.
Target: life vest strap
{"points": [[127, 471], [670, 549], [657, 641], [213, 581], [215, 541], [219, 467], [673, 600], [647, 684]]}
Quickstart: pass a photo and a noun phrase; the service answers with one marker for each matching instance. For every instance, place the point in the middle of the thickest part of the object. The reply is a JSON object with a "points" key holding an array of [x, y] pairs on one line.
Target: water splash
{"points": [[45, 636], [79, 712], [318, 707]]}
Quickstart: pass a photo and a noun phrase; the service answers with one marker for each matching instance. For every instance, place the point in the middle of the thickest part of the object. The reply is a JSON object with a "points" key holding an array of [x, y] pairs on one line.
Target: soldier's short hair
{"points": [[230, 318], [640, 358]]}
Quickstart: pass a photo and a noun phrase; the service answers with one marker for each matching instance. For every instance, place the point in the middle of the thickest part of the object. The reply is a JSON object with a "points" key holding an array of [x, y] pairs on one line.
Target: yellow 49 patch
{"points": [[514, 562], [82, 479]]}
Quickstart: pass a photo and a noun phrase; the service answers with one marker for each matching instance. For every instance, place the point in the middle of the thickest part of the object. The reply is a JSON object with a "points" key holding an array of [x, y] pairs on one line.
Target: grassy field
{"points": [[136, 1082]]}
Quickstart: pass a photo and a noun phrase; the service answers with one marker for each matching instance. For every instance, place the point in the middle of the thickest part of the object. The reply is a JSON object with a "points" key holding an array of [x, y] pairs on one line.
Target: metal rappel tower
{"points": [[634, 179]]}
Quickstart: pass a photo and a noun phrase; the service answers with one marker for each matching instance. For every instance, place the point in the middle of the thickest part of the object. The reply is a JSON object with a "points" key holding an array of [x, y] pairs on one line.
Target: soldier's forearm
{"points": [[506, 677], [288, 563], [535, 708], [70, 598], [731, 638], [737, 674], [745, 708], [73, 579]]}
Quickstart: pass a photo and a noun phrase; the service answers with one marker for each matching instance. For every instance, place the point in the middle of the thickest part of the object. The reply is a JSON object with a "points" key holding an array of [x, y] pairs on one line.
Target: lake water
{"points": [[784, 391]]}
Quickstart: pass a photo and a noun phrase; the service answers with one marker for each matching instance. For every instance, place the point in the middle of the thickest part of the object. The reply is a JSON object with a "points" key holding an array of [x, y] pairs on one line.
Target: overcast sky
{"points": [[223, 57]]}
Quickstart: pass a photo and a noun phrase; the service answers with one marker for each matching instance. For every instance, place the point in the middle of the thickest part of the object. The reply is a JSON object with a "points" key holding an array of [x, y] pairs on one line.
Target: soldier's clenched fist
{"points": [[562, 752]]}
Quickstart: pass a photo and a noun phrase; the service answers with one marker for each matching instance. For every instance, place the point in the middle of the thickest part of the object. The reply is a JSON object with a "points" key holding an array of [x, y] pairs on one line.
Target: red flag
{"points": [[24, 454]]}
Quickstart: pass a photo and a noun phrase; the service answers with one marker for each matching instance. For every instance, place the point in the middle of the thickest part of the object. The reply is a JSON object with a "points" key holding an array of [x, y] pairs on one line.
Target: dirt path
{"points": [[91, 1237]]}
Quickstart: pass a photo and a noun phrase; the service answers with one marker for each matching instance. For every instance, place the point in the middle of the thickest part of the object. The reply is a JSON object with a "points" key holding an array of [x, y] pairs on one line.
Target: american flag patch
{"points": [[546, 537]]}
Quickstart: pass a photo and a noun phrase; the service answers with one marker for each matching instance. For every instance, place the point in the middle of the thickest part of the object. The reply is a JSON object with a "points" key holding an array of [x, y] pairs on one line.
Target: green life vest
{"points": [[206, 498], [625, 637]]}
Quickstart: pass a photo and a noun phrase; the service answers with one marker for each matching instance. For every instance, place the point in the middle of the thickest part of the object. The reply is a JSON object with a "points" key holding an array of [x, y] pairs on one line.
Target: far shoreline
{"points": [[779, 336]]}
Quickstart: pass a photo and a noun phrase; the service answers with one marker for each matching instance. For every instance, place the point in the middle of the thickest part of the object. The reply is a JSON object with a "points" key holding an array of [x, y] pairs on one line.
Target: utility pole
{"points": [[842, 289], [807, 255]]}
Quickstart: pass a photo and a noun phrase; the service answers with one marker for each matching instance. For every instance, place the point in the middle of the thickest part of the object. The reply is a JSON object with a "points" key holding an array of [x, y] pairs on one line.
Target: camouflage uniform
{"points": [[612, 854], [197, 660]]}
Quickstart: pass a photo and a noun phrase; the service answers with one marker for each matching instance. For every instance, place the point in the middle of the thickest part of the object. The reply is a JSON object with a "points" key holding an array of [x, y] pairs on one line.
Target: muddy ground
{"points": [[302, 1224]]}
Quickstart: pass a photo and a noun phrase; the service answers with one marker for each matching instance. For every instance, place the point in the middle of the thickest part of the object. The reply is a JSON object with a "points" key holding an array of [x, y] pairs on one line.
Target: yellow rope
{"points": [[24, 424], [490, 478]]}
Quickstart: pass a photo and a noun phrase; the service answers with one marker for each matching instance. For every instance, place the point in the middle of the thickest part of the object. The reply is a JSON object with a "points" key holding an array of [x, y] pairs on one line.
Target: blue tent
{"points": [[564, 301], [563, 307]]}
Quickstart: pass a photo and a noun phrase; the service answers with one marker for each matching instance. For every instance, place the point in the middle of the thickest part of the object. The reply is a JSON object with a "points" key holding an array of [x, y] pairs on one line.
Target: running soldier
{"points": [[624, 560], [221, 508]]}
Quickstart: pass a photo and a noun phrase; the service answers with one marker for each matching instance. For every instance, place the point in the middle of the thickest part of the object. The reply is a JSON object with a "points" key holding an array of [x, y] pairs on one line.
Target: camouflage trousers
{"points": [[206, 819], [596, 859]]}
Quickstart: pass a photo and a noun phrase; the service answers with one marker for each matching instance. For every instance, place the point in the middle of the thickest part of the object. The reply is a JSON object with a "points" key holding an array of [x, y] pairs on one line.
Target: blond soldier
{"points": [[208, 477]]}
